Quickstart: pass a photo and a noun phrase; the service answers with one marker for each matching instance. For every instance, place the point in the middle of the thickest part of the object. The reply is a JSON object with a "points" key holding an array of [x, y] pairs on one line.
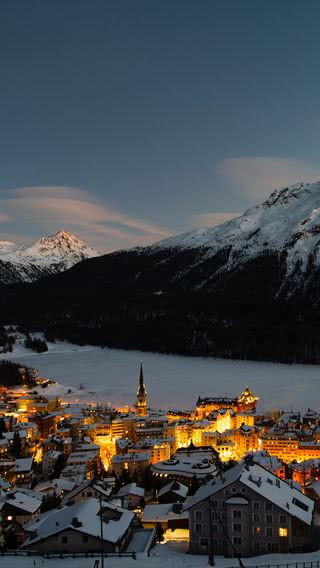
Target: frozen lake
{"points": [[111, 375]]}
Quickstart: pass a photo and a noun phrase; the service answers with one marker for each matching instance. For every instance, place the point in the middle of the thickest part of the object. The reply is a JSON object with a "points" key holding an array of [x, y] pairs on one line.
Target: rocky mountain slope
{"points": [[48, 255], [286, 226]]}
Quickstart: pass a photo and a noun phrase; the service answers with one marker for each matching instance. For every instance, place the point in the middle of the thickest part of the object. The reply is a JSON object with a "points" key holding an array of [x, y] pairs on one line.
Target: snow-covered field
{"points": [[111, 375], [172, 554]]}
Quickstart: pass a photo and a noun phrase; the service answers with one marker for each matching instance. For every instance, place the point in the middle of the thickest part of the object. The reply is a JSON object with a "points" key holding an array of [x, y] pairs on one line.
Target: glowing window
{"points": [[283, 531]]}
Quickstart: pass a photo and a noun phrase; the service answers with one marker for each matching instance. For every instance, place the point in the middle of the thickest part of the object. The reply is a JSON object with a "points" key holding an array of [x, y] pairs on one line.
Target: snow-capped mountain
{"points": [[286, 225], [48, 255], [248, 289]]}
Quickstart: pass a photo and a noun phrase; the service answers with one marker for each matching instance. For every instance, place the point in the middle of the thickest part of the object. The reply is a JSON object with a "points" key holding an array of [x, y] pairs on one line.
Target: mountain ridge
{"points": [[247, 289], [48, 255]]}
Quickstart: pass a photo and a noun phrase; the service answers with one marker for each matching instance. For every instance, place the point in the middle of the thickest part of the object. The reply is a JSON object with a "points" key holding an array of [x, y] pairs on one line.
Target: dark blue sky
{"points": [[126, 120]]}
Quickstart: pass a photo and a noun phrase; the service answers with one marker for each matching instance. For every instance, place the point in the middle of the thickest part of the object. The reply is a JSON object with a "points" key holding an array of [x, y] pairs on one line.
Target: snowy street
{"points": [[172, 554]]}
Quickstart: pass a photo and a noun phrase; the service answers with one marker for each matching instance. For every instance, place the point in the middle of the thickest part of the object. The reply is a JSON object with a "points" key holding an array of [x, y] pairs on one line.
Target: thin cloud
{"points": [[256, 177], [211, 219], [4, 218], [75, 209]]}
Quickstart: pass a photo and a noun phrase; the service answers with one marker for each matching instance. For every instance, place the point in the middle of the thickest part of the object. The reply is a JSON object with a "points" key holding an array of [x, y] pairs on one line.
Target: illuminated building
{"points": [[224, 419], [102, 428], [305, 470], [49, 462], [288, 446], [184, 468], [183, 434], [134, 463], [246, 402], [23, 471], [173, 415], [123, 426], [46, 423], [159, 450], [261, 514], [141, 404], [88, 460], [232, 444]]}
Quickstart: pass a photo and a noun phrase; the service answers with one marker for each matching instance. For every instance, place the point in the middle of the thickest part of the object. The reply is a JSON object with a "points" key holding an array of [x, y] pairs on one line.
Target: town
{"points": [[79, 478]]}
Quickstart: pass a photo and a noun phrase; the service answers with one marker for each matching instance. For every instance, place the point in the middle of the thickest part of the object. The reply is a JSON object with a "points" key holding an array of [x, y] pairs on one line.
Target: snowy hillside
{"points": [[48, 255], [287, 223]]}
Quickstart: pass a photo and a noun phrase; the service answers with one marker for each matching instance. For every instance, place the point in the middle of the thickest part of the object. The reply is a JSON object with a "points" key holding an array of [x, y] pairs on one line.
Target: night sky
{"points": [[125, 121]]}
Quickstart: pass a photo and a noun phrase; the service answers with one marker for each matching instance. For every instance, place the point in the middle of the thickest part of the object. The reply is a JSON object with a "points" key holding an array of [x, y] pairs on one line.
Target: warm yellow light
{"points": [[9, 518], [283, 531]]}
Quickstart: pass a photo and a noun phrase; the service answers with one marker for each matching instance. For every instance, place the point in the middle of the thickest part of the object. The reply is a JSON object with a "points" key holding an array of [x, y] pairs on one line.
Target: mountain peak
{"points": [[61, 236], [64, 234], [50, 254], [60, 246], [288, 193]]}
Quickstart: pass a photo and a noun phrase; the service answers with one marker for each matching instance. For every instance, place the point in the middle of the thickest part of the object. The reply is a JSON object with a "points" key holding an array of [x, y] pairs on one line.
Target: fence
{"points": [[26, 553], [314, 564]]}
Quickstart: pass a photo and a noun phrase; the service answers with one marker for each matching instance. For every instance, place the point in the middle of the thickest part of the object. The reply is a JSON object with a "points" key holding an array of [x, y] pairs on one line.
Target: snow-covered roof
{"points": [[130, 489], [53, 454], [104, 490], [138, 456], [63, 484], [78, 489], [268, 462], [88, 522], [175, 487], [75, 471], [316, 487], [162, 513], [23, 465], [44, 486], [10, 435], [307, 464], [266, 484], [87, 447], [80, 457], [186, 466], [4, 484], [24, 502]]}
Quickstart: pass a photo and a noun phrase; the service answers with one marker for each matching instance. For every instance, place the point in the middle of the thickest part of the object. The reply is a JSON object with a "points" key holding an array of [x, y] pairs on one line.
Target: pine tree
{"points": [[3, 427], [16, 445], [194, 486], [159, 532]]}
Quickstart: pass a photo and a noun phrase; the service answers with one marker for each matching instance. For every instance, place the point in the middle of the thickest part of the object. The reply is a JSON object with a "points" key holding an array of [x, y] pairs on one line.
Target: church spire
{"points": [[141, 374], [141, 404]]}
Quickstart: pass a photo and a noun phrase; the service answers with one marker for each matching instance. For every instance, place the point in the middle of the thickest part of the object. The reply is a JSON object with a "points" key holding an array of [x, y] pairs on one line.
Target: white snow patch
{"points": [[111, 376]]}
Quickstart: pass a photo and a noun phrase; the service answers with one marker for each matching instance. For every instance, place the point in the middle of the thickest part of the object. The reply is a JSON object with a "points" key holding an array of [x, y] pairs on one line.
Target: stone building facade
{"points": [[249, 513]]}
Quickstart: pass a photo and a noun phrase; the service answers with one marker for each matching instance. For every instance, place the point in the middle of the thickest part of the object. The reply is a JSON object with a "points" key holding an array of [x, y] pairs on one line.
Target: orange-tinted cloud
{"points": [[4, 217], [257, 177], [65, 207], [211, 219]]}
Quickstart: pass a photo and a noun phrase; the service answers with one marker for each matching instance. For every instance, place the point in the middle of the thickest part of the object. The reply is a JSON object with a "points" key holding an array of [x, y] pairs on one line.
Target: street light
{"points": [[101, 534], [211, 561]]}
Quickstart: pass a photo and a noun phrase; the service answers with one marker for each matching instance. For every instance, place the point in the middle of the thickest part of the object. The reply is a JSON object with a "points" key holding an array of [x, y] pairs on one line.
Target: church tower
{"points": [[141, 404]]}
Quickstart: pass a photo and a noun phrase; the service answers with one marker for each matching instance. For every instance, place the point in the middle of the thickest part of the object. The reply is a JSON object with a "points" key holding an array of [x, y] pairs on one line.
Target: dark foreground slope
{"points": [[100, 301]]}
